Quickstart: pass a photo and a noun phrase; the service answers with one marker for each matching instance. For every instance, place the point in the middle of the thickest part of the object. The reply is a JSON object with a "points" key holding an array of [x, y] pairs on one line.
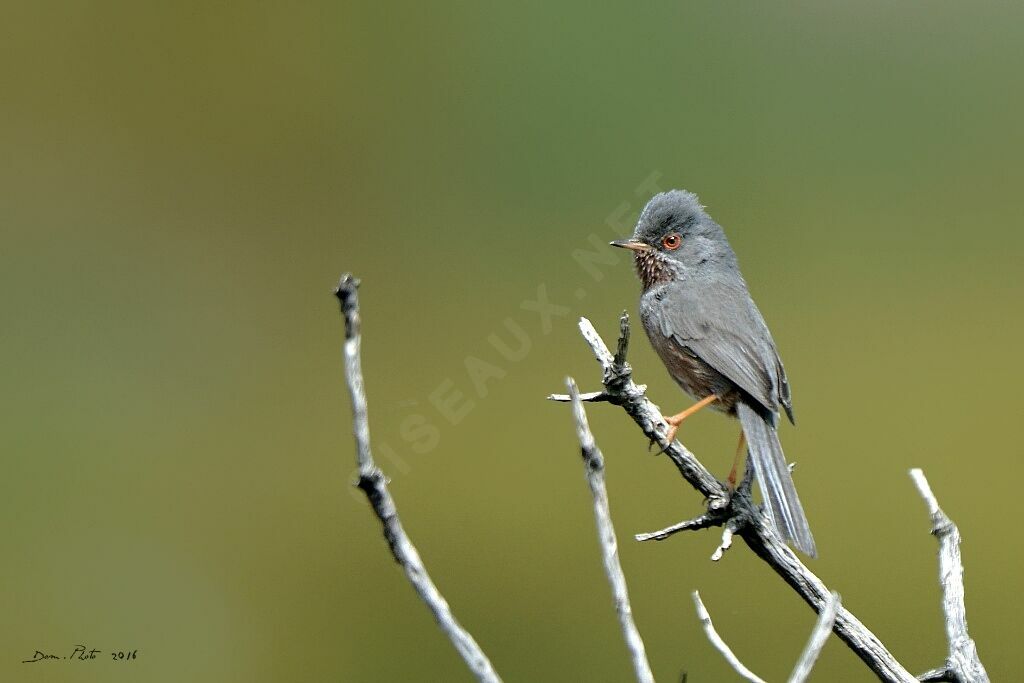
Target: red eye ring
{"points": [[671, 241]]}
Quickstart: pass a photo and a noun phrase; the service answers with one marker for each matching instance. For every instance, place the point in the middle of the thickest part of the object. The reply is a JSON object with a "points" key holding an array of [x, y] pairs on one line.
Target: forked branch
{"points": [[808, 657], [736, 512]]}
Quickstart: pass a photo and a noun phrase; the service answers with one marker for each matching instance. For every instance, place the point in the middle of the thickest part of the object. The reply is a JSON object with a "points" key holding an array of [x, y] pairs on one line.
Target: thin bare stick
{"points": [[720, 645], [702, 522], [593, 463], [822, 629], [744, 518], [374, 484], [962, 663]]}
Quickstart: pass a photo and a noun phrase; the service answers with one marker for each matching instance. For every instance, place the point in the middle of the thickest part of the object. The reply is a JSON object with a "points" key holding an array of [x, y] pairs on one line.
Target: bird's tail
{"points": [[781, 501]]}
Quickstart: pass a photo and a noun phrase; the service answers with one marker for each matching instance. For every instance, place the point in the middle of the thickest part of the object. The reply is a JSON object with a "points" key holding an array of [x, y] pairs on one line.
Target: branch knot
{"points": [[347, 292]]}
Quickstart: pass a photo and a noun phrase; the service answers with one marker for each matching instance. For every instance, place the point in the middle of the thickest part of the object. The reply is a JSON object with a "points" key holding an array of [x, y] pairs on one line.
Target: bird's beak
{"points": [[632, 245]]}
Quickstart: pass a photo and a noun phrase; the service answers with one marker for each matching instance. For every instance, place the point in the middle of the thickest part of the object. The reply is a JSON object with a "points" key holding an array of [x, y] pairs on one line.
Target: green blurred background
{"points": [[183, 182]]}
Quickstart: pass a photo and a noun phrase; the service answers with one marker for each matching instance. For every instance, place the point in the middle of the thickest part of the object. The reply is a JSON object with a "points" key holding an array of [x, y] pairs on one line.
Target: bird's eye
{"points": [[671, 241]]}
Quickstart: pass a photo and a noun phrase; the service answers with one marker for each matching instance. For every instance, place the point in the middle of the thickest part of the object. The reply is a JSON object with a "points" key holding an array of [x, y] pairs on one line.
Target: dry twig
{"points": [[593, 463], [721, 645], [815, 644], [374, 484], [962, 663]]}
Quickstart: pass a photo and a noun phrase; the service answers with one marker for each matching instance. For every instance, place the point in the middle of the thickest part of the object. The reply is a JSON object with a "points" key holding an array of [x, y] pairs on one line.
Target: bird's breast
{"points": [[691, 373]]}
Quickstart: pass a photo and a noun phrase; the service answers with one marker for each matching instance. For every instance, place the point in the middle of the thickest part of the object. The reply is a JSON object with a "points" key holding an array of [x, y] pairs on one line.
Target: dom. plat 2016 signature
{"points": [[81, 653]]}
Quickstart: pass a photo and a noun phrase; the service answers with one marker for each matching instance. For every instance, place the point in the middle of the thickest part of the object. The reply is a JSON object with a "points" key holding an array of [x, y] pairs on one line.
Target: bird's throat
{"points": [[652, 268]]}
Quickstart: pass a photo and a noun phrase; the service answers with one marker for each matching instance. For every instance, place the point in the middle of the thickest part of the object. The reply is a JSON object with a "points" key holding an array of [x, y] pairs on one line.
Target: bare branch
{"points": [[807, 659], [819, 635], [720, 645], [374, 484], [962, 663], [702, 522], [593, 463], [749, 522]]}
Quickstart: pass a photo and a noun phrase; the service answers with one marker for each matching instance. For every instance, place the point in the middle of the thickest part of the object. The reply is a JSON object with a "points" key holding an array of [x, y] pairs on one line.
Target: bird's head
{"points": [[674, 235]]}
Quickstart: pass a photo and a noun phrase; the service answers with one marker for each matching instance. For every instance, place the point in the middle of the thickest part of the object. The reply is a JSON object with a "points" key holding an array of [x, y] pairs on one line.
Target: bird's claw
{"points": [[670, 435], [661, 447]]}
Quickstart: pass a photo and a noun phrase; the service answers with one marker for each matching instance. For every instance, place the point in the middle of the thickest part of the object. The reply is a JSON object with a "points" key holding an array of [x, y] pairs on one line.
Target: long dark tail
{"points": [[781, 501]]}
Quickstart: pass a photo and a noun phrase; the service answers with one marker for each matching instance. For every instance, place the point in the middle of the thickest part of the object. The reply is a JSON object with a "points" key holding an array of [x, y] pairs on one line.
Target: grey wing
{"points": [[720, 324]]}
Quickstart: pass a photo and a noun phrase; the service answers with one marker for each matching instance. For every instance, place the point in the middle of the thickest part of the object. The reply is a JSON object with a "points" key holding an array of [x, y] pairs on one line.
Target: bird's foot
{"points": [[674, 421], [673, 427]]}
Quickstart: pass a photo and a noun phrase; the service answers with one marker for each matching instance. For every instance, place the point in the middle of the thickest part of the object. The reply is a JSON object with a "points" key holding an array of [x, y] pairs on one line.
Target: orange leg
{"points": [[736, 460], [676, 420]]}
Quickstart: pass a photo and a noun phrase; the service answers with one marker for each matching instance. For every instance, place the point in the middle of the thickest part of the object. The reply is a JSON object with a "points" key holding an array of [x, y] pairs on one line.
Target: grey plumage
{"points": [[700, 319]]}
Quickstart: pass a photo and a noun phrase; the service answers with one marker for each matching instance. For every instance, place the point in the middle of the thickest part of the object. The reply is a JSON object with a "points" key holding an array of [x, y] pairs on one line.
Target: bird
{"points": [[702, 322]]}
